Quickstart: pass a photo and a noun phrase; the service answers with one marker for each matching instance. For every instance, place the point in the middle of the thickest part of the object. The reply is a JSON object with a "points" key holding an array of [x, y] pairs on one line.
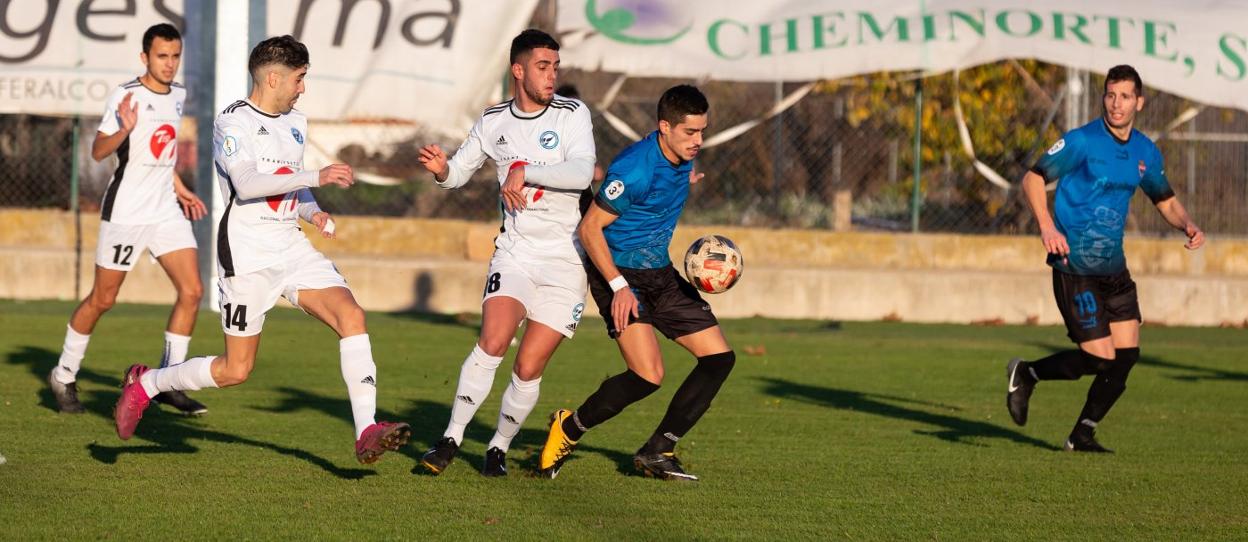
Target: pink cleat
{"points": [[133, 402], [379, 438]]}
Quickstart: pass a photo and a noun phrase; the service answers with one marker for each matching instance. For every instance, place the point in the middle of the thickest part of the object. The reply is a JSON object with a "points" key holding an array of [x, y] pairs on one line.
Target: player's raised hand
{"points": [[434, 160], [1195, 237], [324, 224], [694, 176], [512, 190], [339, 174], [128, 113], [1054, 242], [622, 305]]}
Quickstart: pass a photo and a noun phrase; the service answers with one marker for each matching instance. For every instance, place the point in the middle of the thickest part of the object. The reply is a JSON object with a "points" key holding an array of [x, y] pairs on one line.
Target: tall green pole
{"points": [[75, 171], [915, 196]]}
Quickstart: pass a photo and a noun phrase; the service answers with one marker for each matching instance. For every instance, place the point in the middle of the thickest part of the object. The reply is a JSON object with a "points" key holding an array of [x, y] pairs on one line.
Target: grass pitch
{"points": [[824, 431]]}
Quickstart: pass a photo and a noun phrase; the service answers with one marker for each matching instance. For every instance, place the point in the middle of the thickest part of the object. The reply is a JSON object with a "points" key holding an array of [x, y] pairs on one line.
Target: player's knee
{"points": [[351, 321], [234, 374], [190, 294], [653, 375], [102, 300], [718, 365], [494, 346], [528, 373]]}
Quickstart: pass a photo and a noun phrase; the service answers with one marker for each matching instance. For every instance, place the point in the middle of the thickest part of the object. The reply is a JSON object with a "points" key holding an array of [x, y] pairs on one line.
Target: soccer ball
{"points": [[713, 264]]}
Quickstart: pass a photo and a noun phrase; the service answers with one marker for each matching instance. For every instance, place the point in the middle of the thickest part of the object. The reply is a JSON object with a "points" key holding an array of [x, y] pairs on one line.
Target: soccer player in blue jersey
{"points": [[626, 234], [1099, 166]]}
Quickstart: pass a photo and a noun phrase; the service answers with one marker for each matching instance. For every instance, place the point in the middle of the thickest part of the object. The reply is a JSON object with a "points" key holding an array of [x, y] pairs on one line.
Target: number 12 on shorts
{"points": [[236, 317]]}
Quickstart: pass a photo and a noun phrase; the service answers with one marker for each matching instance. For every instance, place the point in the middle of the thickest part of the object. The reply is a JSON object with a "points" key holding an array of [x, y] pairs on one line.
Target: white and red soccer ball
{"points": [[713, 264]]}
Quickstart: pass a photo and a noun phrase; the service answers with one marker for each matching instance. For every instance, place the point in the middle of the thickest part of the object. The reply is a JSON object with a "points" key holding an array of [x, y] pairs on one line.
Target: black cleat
{"points": [[495, 463], [1019, 385], [440, 456], [1085, 444], [181, 401], [66, 394], [664, 466]]}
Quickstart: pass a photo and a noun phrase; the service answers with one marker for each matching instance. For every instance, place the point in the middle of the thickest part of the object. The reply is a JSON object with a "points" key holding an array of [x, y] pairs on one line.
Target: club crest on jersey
{"points": [[614, 189], [1143, 168], [229, 145], [548, 140], [161, 139], [1057, 147], [178, 108], [298, 136]]}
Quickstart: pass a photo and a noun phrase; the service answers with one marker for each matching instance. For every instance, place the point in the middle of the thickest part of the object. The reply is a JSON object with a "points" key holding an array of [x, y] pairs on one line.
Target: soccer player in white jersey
{"points": [[262, 254], [145, 206], [543, 149]]}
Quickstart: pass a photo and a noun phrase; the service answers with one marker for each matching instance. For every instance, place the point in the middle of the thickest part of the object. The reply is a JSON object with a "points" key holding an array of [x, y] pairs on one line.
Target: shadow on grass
{"points": [[1194, 373], [949, 428], [428, 420], [40, 361]]}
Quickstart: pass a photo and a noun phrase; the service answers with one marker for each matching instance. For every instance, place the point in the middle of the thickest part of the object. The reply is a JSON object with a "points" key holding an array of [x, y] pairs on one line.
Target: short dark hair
{"points": [[164, 31], [680, 101], [529, 40], [284, 50], [1123, 72]]}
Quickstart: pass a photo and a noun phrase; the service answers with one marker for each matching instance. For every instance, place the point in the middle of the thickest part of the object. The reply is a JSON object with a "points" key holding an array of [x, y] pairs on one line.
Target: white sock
{"points": [[518, 402], [194, 374], [74, 349], [360, 374], [475, 380], [175, 349]]}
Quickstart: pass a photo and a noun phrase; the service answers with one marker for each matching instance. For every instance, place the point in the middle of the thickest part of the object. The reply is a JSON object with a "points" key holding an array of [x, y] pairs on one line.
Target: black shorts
{"points": [[1090, 302], [665, 300]]}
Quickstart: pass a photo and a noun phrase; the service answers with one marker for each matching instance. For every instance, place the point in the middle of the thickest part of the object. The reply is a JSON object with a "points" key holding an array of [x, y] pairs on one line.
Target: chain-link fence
{"points": [[842, 156]]}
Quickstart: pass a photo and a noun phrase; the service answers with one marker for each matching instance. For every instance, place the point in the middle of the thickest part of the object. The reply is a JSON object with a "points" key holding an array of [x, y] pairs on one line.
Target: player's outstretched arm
{"points": [[595, 244], [1177, 216], [1038, 201], [455, 171]]}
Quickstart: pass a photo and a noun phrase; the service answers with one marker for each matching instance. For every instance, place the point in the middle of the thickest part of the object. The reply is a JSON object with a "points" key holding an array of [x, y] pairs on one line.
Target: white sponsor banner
{"points": [[433, 61], [1193, 48]]}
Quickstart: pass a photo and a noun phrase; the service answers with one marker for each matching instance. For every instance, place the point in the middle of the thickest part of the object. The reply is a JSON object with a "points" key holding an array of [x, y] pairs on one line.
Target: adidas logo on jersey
{"points": [[150, 108], [466, 399], [369, 380], [262, 131], [502, 140]]}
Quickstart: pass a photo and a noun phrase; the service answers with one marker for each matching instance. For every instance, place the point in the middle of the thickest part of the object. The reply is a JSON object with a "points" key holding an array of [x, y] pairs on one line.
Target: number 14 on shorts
{"points": [[234, 317]]}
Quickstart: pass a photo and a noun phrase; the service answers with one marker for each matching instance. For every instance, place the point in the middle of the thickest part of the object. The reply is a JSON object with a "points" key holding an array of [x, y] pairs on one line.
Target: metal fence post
{"points": [[915, 197]]}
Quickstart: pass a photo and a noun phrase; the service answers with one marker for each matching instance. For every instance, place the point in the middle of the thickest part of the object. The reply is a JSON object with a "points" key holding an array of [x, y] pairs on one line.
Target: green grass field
{"points": [[830, 431]]}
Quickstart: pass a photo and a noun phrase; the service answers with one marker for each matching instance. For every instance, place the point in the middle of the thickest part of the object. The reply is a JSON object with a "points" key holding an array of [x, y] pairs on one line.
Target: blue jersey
{"points": [[647, 193], [1098, 175]]}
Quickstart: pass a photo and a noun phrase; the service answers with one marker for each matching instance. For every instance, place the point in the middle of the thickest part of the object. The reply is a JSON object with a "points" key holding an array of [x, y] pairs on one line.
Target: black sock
{"points": [[612, 396], [1105, 391], [691, 401], [1067, 365]]}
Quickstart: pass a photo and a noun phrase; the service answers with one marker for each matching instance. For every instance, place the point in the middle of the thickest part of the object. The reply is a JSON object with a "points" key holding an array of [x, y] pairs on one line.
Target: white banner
{"points": [[433, 61], [1196, 48]]}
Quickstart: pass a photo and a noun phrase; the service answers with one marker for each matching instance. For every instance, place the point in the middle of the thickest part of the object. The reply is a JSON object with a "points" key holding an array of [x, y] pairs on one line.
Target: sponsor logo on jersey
{"points": [[298, 136], [1057, 147], [279, 203], [262, 131], [502, 140], [614, 189], [229, 145], [548, 140], [161, 139]]}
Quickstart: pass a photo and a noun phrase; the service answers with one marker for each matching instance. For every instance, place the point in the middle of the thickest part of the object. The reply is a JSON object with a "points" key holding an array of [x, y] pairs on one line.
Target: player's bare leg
{"points": [[644, 359], [63, 380], [500, 317], [182, 266], [337, 308], [536, 348]]}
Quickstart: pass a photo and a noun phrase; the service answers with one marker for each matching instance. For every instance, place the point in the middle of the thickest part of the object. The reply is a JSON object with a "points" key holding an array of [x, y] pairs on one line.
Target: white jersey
{"points": [[557, 146], [259, 161], [141, 189]]}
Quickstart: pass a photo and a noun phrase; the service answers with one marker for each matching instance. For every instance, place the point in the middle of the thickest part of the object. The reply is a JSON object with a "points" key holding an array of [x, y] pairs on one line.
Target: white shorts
{"points": [[245, 299], [120, 245], [552, 291]]}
